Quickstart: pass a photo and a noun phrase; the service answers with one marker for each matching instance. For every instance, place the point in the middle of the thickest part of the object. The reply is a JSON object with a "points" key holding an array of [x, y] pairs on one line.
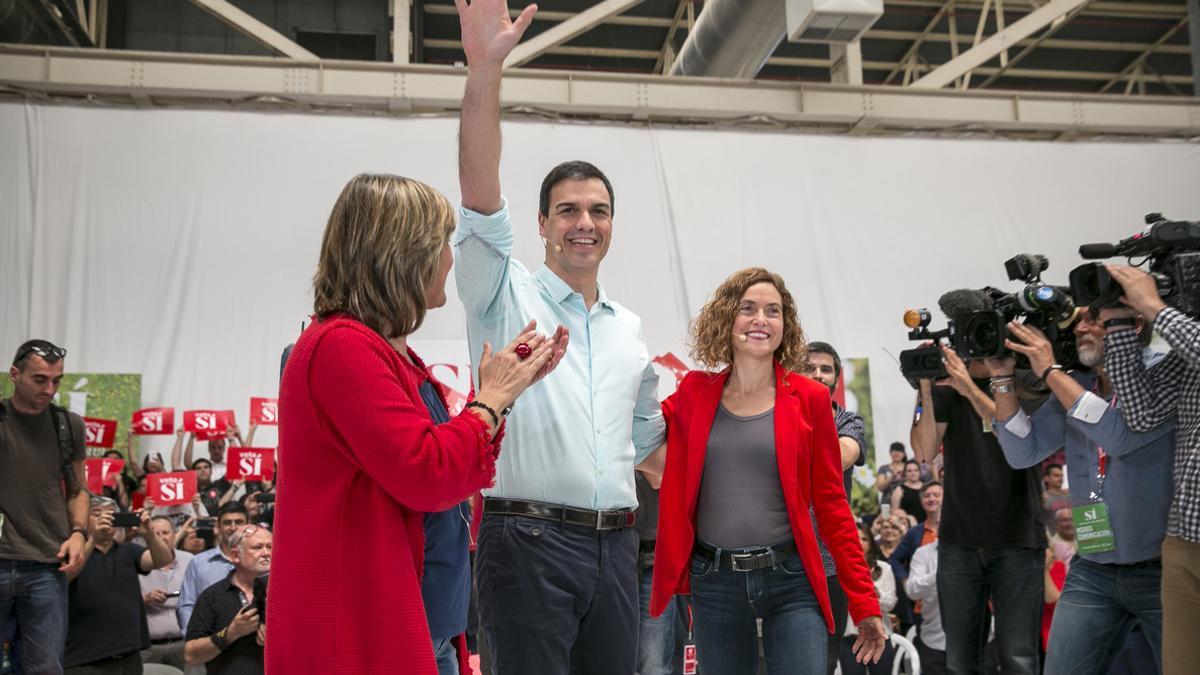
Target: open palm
{"points": [[488, 34]]}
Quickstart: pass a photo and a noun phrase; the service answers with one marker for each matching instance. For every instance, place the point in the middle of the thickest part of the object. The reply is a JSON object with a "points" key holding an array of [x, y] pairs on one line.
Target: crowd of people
{"points": [[566, 520]]}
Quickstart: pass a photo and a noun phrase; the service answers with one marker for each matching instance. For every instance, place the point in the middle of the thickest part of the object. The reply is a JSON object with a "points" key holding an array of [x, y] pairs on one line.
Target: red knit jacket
{"points": [[809, 460], [360, 463]]}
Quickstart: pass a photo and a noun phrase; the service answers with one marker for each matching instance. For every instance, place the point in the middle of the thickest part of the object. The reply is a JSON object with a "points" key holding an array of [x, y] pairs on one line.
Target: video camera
{"points": [[1173, 251], [978, 321]]}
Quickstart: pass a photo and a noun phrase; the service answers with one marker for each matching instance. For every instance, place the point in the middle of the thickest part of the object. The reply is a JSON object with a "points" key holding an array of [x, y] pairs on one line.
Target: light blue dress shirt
{"points": [[574, 437], [206, 569]]}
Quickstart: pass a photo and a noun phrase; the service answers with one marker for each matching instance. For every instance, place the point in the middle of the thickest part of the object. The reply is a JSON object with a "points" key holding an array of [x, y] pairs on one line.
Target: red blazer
{"points": [[361, 461], [809, 460]]}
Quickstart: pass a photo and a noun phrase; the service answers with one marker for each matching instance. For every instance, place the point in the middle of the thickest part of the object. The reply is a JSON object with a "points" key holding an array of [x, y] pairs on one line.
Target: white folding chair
{"points": [[905, 650]]}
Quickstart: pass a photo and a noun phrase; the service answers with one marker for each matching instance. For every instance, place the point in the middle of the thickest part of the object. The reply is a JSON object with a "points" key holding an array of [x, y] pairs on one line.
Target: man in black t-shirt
{"points": [[43, 518], [107, 619], [991, 539]]}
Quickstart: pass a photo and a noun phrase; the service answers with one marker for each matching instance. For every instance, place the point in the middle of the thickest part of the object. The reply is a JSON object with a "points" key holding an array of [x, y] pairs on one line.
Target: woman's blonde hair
{"points": [[712, 329], [380, 252]]}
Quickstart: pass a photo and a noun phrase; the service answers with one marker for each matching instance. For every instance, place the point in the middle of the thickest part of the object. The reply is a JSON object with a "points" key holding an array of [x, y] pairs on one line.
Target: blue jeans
{"points": [[656, 637], [33, 595], [726, 605], [1012, 579], [446, 656], [1098, 606]]}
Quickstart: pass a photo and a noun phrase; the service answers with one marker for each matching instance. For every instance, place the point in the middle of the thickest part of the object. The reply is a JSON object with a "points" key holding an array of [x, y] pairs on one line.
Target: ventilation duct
{"points": [[732, 38], [839, 21]]}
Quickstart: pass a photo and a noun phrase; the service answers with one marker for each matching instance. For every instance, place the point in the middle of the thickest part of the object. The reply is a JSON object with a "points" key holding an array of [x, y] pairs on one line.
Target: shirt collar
{"points": [[560, 291]]}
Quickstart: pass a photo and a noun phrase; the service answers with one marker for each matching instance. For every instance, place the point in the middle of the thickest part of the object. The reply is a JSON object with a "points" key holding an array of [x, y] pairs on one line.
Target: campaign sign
{"points": [[264, 411], [203, 421], [167, 489], [153, 421], [102, 472], [250, 464], [100, 433]]}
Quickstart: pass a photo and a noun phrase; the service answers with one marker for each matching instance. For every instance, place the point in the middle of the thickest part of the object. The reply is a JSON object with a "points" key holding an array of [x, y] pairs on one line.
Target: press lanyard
{"points": [[1097, 495]]}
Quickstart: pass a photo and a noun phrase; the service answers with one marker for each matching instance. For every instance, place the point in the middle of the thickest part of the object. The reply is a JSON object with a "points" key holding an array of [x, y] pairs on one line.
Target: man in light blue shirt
{"points": [[556, 560], [1120, 479], [210, 566]]}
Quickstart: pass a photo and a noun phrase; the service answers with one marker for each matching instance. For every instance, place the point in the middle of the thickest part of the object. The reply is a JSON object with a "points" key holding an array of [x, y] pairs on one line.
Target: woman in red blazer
{"points": [[749, 448], [361, 458]]}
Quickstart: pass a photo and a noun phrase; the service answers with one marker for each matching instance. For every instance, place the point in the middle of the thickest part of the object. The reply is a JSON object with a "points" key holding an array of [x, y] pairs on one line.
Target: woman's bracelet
{"points": [[488, 409]]}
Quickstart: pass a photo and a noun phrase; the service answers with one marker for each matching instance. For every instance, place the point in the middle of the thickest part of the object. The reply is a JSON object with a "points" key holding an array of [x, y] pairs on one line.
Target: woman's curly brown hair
{"points": [[712, 329]]}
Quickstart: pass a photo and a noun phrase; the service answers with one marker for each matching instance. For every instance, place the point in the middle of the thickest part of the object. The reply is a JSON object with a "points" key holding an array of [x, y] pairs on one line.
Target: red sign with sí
{"points": [[167, 489], [153, 421], [102, 472], [250, 464], [100, 433], [264, 411], [203, 421]]}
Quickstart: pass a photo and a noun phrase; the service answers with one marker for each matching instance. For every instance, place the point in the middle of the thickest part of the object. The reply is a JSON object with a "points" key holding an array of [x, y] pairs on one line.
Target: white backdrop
{"points": [[181, 244]]}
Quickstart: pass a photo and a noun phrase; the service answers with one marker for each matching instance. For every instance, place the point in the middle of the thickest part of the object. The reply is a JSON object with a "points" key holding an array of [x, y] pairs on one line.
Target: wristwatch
{"points": [[80, 530], [218, 639]]}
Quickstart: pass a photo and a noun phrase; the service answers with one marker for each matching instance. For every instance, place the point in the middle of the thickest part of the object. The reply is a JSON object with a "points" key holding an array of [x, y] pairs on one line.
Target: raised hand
{"points": [[488, 34], [1032, 342]]}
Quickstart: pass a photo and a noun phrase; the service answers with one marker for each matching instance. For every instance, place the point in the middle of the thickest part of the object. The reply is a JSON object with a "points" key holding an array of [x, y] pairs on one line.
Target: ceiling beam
{"points": [[989, 48], [1194, 40], [401, 35], [919, 39], [819, 63], [566, 31], [667, 55], [1137, 63], [345, 87], [254, 29], [1041, 40]]}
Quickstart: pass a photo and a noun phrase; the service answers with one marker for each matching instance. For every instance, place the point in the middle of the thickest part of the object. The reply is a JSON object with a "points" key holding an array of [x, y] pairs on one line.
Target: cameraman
{"points": [[1122, 476], [1149, 396], [992, 541]]}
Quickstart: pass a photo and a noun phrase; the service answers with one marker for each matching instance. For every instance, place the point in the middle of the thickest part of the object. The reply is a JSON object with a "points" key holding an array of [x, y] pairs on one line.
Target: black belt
{"points": [[567, 515], [163, 641], [746, 559]]}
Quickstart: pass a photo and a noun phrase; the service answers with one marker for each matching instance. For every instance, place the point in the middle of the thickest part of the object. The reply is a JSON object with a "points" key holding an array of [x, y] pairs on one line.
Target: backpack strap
{"points": [[66, 448]]}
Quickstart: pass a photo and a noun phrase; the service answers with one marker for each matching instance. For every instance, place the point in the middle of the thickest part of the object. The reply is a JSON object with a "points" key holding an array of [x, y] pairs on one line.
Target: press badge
{"points": [[1093, 531], [690, 663]]}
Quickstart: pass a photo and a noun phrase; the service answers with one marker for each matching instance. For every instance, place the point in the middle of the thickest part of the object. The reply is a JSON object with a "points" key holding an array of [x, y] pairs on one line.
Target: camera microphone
{"points": [[1098, 251], [964, 301]]}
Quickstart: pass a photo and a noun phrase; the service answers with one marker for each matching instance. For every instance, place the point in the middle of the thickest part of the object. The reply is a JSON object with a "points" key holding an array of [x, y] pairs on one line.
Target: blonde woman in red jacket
{"points": [[361, 458], [748, 449]]}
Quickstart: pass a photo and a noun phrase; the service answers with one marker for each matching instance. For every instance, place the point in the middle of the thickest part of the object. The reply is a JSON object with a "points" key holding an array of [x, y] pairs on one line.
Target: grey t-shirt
{"points": [[31, 497], [741, 500]]}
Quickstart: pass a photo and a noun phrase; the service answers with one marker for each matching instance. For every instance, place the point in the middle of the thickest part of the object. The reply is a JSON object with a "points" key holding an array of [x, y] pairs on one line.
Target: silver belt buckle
{"points": [[600, 521], [734, 559]]}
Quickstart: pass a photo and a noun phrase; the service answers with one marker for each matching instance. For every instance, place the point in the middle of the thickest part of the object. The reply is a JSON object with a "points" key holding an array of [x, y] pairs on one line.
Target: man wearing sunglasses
{"points": [[43, 509]]}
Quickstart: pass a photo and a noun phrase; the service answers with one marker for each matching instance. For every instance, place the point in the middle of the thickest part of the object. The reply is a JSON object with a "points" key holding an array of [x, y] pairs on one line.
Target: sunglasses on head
{"points": [[46, 351]]}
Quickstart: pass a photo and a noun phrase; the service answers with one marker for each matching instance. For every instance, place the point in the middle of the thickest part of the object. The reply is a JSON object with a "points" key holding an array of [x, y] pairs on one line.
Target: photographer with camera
{"points": [[991, 539], [106, 627], [227, 631], [1121, 484], [1150, 396]]}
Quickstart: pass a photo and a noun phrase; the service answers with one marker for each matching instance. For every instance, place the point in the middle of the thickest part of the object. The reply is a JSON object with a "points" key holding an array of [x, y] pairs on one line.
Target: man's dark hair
{"points": [[932, 483], [897, 446], [198, 460], [27, 349], [826, 348], [1052, 465], [233, 507], [913, 462], [573, 170]]}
